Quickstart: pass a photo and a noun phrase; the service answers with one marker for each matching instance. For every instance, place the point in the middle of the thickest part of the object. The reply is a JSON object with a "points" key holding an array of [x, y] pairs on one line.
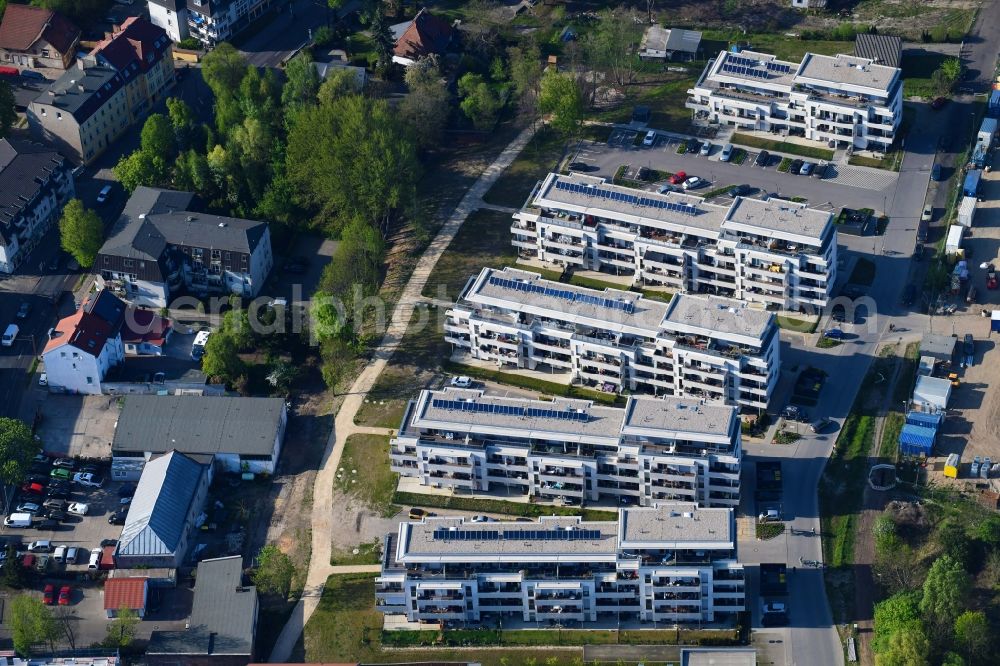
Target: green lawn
{"points": [[539, 157], [890, 162], [483, 240], [785, 48], [797, 325], [364, 472], [917, 70], [502, 507], [664, 97], [813, 152], [368, 553]]}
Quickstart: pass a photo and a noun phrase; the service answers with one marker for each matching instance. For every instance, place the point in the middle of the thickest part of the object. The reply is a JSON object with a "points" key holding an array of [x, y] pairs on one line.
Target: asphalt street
{"points": [[288, 30]]}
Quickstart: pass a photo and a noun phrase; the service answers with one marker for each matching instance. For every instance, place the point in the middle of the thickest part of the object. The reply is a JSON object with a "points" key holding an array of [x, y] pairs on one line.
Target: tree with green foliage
{"points": [[560, 97], [221, 359], [121, 630], [352, 159], [302, 84], [952, 659], [973, 636], [141, 169], [987, 531], [223, 69], [611, 47], [945, 592], [12, 577], [236, 325], [892, 614], [946, 76], [81, 232], [187, 129], [953, 541], [8, 115], [480, 102], [426, 108], [274, 572], [339, 83], [526, 74], [909, 646], [353, 274], [17, 449], [381, 34], [158, 138], [31, 623]]}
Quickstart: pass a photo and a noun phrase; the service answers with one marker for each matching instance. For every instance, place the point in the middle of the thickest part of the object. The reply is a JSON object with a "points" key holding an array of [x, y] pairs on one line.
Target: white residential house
{"points": [[775, 252], [842, 100], [171, 15], [715, 349], [215, 21]]}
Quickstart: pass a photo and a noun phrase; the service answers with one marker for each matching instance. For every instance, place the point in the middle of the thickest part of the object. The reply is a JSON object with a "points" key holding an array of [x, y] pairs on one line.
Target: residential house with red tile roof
{"points": [[425, 35], [37, 37], [143, 54], [131, 593]]}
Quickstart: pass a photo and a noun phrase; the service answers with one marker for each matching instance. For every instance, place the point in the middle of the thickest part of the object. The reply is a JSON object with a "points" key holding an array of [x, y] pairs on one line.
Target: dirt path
{"points": [[323, 516]]}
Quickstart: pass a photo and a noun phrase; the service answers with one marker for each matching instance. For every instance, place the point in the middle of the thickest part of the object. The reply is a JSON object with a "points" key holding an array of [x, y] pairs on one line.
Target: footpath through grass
{"points": [[539, 157], [782, 146]]}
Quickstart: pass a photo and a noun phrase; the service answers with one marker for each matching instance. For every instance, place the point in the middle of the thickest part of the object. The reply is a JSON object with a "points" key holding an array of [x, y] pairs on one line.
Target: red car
{"points": [[65, 592], [678, 178], [48, 595], [34, 488]]}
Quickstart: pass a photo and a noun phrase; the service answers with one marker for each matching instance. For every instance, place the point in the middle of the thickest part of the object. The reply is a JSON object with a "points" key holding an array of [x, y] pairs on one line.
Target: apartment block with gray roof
{"points": [[235, 434], [161, 518], [714, 349], [671, 563], [842, 100], [161, 244], [775, 252], [571, 451]]}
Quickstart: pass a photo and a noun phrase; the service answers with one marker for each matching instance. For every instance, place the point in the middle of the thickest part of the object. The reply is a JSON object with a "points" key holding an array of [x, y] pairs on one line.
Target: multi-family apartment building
{"points": [[842, 100], [171, 15], [160, 245], [215, 21], [35, 184], [115, 86], [571, 451], [775, 252], [715, 349], [673, 563]]}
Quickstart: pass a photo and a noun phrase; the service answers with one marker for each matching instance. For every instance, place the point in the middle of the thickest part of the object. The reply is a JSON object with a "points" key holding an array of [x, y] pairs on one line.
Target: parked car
{"points": [[67, 463], [692, 183], [936, 173], [78, 509], [769, 516], [56, 515], [693, 145], [60, 473], [706, 149], [108, 542], [118, 517], [56, 504], [763, 159], [969, 345], [104, 194], [650, 138], [65, 594], [40, 546], [795, 166], [927, 214], [677, 178], [834, 334], [739, 191], [481, 519], [48, 594], [43, 379], [806, 169], [126, 490], [727, 153], [88, 479], [581, 166], [32, 488], [461, 382], [28, 507], [24, 310], [820, 425], [821, 170]]}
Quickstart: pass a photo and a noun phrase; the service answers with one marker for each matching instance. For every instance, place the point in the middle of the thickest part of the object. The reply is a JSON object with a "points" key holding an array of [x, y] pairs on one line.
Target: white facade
{"points": [[714, 349], [73, 370], [842, 100], [171, 16], [674, 563], [215, 21], [775, 252], [572, 451]]}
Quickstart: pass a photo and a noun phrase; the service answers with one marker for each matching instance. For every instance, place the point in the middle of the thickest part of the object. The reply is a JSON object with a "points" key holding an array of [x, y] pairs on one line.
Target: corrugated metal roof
{"points": [[924, 419], [157, 516], [196, 424], [883, 49], [913, 435]]}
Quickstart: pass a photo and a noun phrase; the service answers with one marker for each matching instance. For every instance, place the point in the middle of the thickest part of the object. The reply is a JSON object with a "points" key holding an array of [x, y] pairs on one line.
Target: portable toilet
{"points": [[984, 471], [967, 211], [995, 322], [974, 468], [951, 466]]}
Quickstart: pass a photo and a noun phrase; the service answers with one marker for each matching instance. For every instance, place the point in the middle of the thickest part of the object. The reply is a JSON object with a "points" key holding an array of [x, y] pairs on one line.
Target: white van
{"points": [[18, 520], [10, 335], [60, 554], [198, 346], [95, 559]]}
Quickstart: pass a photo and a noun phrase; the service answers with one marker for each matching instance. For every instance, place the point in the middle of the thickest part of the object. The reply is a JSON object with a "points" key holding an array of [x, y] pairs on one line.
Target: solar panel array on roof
{"points": [[446, 534], [633, 199], [532, 288], [779, 68], [508, 410], [745, 71]]}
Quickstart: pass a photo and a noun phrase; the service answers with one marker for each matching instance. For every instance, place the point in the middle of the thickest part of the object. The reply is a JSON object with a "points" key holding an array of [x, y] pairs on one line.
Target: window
{"points": [[90, 380], [45, 53]]}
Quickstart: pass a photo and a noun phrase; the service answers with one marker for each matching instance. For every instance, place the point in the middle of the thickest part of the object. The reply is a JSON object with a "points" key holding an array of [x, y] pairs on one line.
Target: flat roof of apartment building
{"points": [[592, 195], [665, 417], [676, 525], [708, 316], [755, 67], [778, 215], [846, 70]]}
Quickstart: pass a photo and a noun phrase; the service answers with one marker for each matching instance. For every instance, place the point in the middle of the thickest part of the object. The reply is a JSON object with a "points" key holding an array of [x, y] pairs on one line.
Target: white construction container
{"points": [[967, 211], [954, 243]]}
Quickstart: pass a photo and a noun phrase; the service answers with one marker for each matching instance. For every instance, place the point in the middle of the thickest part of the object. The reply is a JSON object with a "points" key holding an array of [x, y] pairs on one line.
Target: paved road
{"points": [[979, 51], [288, 31], [323, 518]]}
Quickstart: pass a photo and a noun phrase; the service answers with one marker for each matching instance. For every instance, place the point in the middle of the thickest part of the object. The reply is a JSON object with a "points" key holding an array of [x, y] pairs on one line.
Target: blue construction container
{"points": [[971, 186], [925, 419], [994, 107], [916, 440]]}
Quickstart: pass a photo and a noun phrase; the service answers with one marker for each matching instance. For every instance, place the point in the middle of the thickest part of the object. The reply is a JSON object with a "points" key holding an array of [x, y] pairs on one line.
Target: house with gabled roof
{"points": [[424, 36], [37, 37]]}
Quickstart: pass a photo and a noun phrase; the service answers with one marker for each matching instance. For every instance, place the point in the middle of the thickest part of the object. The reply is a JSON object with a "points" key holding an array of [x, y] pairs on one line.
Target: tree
{"points": [[611, 47], [945, 593], [8, 116], [972, 635], [274, 572], [427, 106], [381, 35], [183, 121], [352, 159], [525, 74], [560, 97], [121, 630], [31, 623], [946, 76], [480, 102], [283, 374], [141, 168], [954, 542], [236, 325], [17, 449], [988, 531], [221, 359], [302, 84], [952, 659], [339, 83], [908, 647], [892, 615], [223, 69], [81, 232], [158, 138]]}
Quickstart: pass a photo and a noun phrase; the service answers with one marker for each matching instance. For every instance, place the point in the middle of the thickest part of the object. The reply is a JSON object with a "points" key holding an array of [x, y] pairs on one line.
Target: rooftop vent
{"points": [[222, 225]]}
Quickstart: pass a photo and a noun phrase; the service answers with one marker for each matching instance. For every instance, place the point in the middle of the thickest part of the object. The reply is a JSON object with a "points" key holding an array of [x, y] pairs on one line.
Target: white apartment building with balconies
{"points": [[842, 100], [775, 252], [673, 563], [572, 452], [715, 349]]}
